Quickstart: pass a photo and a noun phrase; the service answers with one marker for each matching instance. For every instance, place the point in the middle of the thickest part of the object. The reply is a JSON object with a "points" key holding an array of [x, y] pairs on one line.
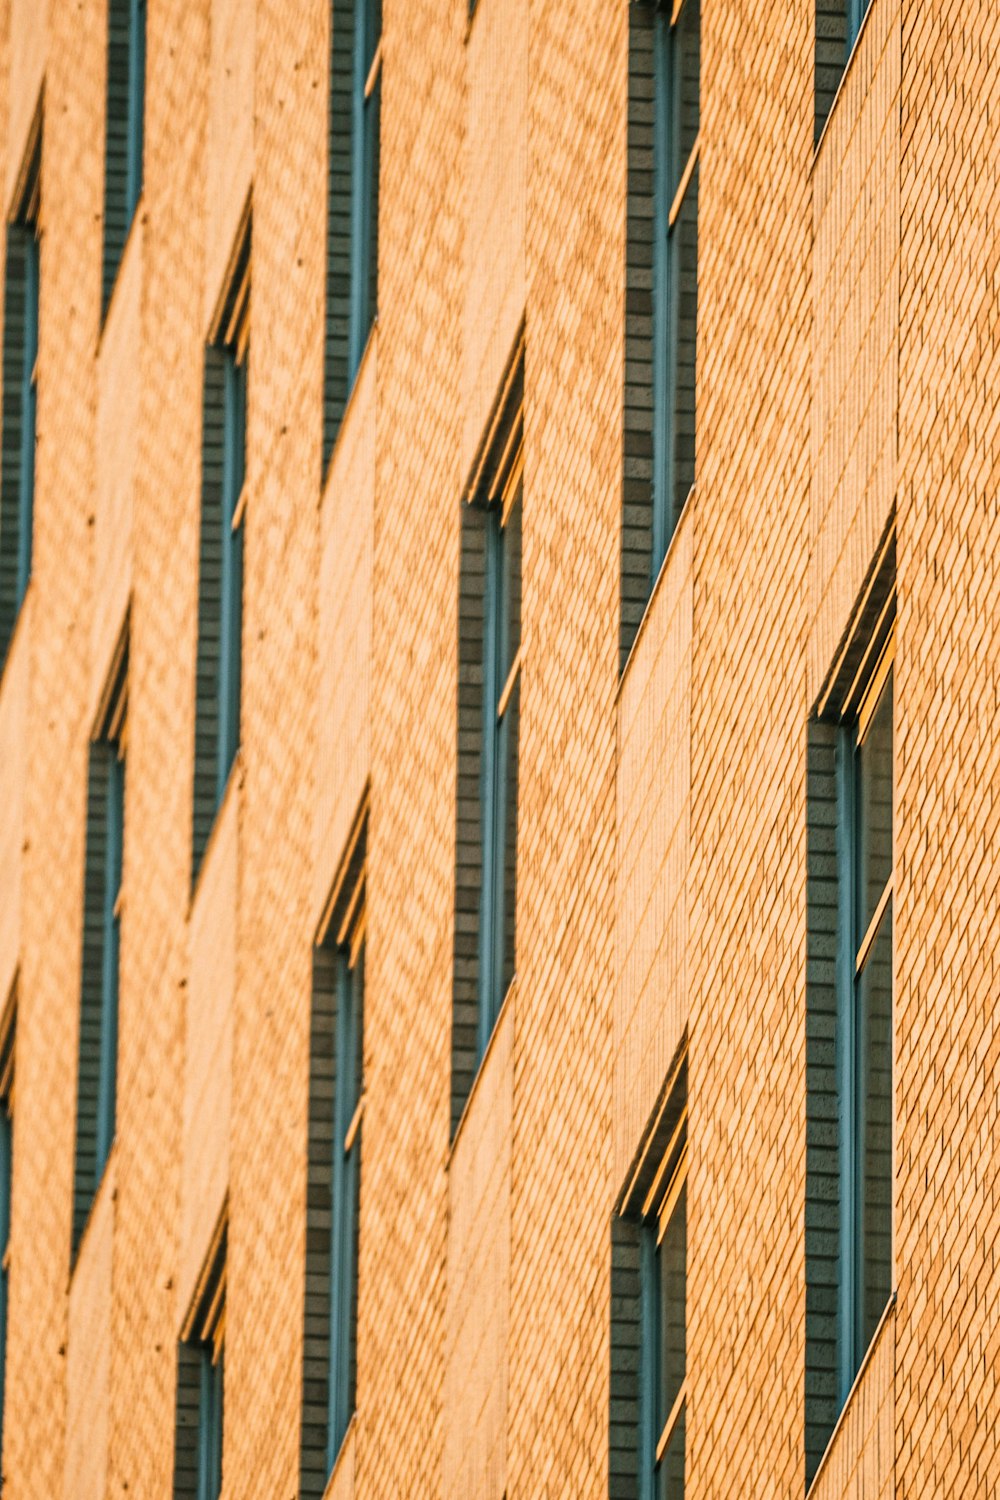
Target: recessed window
{"points": [[335, 1125], [649, 1310], [488, 734], [201, 1384], [662, 290], [352, 200], [849, 1040], [103, 902], [220, 580], [20, 387], [124, 123]]}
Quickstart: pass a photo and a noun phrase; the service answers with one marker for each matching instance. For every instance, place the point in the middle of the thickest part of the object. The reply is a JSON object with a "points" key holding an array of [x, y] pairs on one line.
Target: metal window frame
{"points": [[669, 201], [135, 125], [365, 123], [232, 518], [853, 951], [500, 680], [110, 741], [348, 937], [659, 1208]]}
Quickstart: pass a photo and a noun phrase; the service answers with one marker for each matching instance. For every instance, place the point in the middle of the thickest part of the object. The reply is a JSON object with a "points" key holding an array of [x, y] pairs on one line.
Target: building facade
{"points": [[500, 649]]}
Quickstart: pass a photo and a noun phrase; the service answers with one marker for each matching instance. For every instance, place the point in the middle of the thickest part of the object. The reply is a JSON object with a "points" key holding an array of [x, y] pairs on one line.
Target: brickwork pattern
{"points": [[746, 957], [947, 767], [662, 860]]}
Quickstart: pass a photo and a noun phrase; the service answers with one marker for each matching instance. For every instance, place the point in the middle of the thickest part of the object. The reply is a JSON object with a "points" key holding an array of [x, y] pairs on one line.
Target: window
{"points": [[123, 130], [662, 290], [488, 718], [336, 1114], [6, 1182], [838, 26], [201, 1384], [649, 1309], [220, 584], [102, 911], [20, 386], [352, 200], [849, 1040]]}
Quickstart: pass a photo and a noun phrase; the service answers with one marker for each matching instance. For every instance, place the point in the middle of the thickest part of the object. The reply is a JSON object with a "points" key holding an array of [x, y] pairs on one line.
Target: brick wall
{"points": [[847, 362]]}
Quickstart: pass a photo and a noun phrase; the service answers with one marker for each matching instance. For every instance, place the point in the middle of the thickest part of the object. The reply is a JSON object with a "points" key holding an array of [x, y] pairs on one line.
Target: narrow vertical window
{"points": [[661, 290], [849, 1036], [103, 900], [488, 734], [220, 585], [664, 1268], [866, 1017], [649, 1309], [352, 200], [675, 280], [6, 1184], [201, 1385], [336, 1113], [20, 385], [124, 126]]}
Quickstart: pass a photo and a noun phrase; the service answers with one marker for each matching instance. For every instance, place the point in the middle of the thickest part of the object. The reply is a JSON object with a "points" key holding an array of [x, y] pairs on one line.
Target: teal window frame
{"points": [[352, 201], [858, 943], [231, 618], [856, 12], [346, 1186], [107, 1090], [211, 1407], [675, 210], [499, 755], [365, 123], [124, 131]]}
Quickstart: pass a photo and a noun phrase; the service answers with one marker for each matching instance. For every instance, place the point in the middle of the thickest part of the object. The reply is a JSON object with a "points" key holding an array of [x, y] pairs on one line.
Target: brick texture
{"points": [[848, 352]]}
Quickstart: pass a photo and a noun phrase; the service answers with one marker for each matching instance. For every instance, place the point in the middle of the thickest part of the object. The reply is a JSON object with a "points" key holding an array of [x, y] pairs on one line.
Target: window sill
{"points": [[682, 521], [841, 86], [887, 1313], [235, 779], [99, 1192], [339, 1463], [138, 217], [366, 355], [508, 1001]]}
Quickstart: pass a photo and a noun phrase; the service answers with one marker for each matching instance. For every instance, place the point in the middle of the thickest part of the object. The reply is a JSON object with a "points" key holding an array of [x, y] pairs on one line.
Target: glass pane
{"points": [[670, 1474], [672, 1266], [685, 87], [874, 1136], [683, 292], [874, 811], [210, 1420]]}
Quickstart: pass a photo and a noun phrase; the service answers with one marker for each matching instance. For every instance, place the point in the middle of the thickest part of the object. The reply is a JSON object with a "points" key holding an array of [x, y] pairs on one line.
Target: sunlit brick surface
{"points": [[848, 364]]}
